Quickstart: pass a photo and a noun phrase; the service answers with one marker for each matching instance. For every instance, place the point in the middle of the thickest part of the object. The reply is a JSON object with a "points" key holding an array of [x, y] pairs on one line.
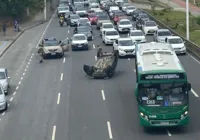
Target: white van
{"points": [[113, 8]]}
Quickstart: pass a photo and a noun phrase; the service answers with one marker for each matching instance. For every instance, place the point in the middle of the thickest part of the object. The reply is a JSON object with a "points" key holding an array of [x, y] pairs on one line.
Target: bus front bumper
{"points": [[164, 123]]}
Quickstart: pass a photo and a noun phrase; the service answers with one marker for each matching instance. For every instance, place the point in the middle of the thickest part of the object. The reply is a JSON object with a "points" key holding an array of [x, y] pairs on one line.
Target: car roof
{"points": [[110, 30], [160, 30], [50, 39], [84, 18], [79, 35], [174, 37], [106, 23], [135, 31], [2, 69], [124, 20]]}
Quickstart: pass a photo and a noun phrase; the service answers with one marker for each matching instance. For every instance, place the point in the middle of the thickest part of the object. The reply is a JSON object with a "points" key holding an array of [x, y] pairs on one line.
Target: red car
{"points": [[92, 18], [118, 16]]}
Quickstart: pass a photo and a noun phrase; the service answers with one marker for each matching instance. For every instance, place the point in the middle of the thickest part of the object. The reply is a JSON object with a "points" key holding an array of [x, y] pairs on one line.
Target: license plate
{"points": [[79, 46], [53, 53], [151, 31], [164, 123]]}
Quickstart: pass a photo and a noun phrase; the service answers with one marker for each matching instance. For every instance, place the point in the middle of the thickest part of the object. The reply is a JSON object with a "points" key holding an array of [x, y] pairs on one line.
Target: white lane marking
{"points": [[30, 60], [26, 66], [24, 73], [32, 54], [53, 133], [93, 46], [68, 31], [109, 130], [168, 133], [64, 60], [28, 63], [22, 78], [14, 93], [194, 59], [134, 70], [8, 105], [11, 99], [95, 58], [25, 69], [103, 95], [19, 82], [58, 99], [17, 87], [45, 29], [61, 77], [129, 59], [195, 94], [3, 113]]}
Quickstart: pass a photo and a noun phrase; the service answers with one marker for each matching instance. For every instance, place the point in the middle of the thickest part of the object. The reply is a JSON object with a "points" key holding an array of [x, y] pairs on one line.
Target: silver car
{"points": [[4, 80], [161, 34], [62, 10], [3, 100]]}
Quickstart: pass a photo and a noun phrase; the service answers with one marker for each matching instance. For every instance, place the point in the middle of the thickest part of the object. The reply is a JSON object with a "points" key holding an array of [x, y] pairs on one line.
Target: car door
{"points": [[65, 45], [103, 35]]}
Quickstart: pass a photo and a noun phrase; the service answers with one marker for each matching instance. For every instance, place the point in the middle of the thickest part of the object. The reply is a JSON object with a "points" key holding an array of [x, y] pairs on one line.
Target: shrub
{"points": [[198, 20]]}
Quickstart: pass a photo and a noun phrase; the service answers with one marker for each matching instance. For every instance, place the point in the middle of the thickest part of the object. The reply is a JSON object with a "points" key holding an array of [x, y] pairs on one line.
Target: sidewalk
{"points": [[11, 34]]}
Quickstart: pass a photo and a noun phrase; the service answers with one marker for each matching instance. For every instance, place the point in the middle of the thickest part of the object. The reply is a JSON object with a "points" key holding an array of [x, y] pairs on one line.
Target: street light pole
{"points": [[187, 20], [194, 2], [45, 10]]}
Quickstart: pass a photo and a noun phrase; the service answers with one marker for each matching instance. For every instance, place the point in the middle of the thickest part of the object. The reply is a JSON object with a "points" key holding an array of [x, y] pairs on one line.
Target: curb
{"points": [[19, 34]]}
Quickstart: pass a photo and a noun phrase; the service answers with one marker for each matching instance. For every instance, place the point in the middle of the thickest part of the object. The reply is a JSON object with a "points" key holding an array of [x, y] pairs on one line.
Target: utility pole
{"points": [[194, 2], [187, 20], [45, 10]]}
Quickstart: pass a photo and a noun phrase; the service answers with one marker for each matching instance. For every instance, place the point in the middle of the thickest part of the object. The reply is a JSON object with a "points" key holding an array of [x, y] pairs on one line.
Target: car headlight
{"points": [[184, 114], [183, 48], [120, 49], [144, 116], [107, 38]]}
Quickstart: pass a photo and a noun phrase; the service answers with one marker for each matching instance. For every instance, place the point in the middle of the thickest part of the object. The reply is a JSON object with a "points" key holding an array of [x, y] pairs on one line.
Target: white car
{"points": [[124, 25], [106, 26], [81, 20], [79, 2], [130, 9], [3, 100], [103, 1], [124, 6], [177, 44], [4, 80], [118, 1], [109, 36], [137, 36], [149, 27], [124, 46], [79, 42]]}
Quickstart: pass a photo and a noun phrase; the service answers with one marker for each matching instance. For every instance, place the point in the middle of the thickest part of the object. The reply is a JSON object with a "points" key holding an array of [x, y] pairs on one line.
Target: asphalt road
{"points": [[57, 101]]}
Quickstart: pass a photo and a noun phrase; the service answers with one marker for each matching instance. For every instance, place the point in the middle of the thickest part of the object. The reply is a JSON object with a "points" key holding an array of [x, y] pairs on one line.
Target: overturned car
{"points": [[104, 67]]}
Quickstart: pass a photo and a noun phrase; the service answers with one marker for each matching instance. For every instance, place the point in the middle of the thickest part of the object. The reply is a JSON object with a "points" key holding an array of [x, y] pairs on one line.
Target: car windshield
{"points": [[67, 13], [137, 33], [150, 24], [80, 8], [164, 33], [126, 4], [80, 29], [144, 16], [125, 22], [51, 43], [131, 8], [92, 16], [111, 33], [78, 0], [74, 17], [119, 14], [62, 9], [2, 75], [108, 26], [81, 37], [126, 43], [103, 17], [94, 6], [83, 20], [175, 41], [173, 94], [84, 24]]}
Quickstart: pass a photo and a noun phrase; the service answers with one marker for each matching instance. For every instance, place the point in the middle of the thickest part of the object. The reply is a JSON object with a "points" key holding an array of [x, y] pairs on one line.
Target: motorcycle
{"points": [[61, 22]]}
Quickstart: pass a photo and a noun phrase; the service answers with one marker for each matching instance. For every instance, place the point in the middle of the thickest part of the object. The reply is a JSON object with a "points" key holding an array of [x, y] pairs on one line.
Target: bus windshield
{"points": [[173, 94]]}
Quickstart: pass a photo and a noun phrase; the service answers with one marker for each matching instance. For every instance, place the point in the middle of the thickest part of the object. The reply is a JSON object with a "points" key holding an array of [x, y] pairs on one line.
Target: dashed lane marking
{"points": [[129, 59], [95, 58], [103, 95], [24, 73], [25, 69], [64, 60], [168, 133], [22, 78], [17, 87], [14, 93], [109, 130], [61, 77], [195, 59], [93, 46], [19, 82], [11, 99], [134, 70], [26, 66], [53, 133], [195, 94], [58, 99], [3, 113]]}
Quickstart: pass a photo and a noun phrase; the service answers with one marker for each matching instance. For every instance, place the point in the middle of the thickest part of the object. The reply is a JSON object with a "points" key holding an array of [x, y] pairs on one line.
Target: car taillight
{"points": [[116, 18]]}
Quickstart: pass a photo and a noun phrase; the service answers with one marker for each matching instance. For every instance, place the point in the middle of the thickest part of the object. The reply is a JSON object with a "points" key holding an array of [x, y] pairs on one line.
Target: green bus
{"points": [[162, 87]]}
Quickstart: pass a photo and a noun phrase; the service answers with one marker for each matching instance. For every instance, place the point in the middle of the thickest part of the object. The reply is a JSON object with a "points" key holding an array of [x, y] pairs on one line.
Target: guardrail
{"points": [[191, 47]]}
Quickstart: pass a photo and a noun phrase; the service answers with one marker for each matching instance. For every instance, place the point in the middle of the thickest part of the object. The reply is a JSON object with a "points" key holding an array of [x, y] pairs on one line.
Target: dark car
{"points": [[118, 16], [81, 11], [84, 30], [135, 14], [141, 15], [86, 24], [73, 19], [140, 23]]}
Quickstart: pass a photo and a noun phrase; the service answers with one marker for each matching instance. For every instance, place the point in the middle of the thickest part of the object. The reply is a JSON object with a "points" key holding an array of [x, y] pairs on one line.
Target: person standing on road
{"points": [[15, 25], [99, 51], [4, 28]]}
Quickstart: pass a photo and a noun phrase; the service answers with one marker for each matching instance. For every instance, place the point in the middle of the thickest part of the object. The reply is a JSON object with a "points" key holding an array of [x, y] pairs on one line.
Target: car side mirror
{"points": [[172, 34], [189, 86], [60, 42], [8, 77]]}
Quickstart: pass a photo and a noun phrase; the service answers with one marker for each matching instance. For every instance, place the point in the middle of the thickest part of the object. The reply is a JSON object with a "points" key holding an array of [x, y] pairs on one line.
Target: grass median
{"points": [[177, 21]]}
